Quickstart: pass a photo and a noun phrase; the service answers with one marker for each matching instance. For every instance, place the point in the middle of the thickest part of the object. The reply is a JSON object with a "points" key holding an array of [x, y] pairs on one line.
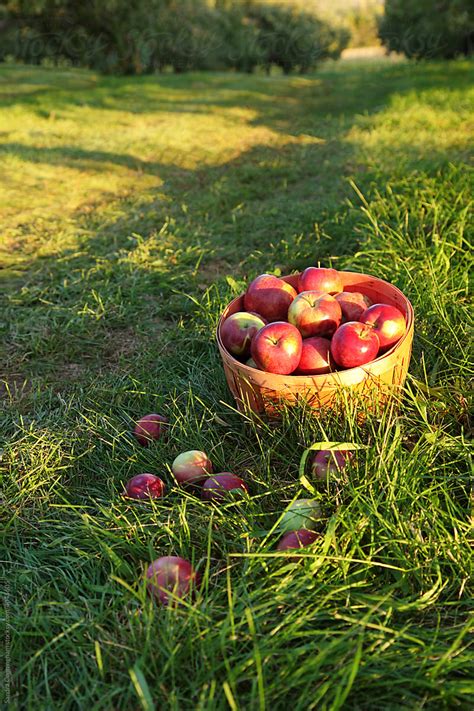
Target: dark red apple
{"points": [[297, 539], [353, 304], [277, 347], [354, 344], [327, 464], [145, 486], [238, 330], [149, 428], [387, 322], [270, 297], [191, 467], [171, 578], [324, 281], [315, 314], [218, 487], [315, 357]]}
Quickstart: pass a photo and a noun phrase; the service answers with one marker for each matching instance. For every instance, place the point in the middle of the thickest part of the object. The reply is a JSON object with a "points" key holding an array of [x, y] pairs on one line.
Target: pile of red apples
{"points": [[316, 329]]}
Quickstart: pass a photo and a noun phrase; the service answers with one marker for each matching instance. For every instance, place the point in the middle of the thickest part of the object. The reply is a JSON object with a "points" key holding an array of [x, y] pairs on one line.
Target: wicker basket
{"points": [[374, 382]]}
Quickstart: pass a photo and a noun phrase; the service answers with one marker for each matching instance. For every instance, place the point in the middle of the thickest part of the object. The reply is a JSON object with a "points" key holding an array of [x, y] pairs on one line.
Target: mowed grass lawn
{"points": [[131, 211]]}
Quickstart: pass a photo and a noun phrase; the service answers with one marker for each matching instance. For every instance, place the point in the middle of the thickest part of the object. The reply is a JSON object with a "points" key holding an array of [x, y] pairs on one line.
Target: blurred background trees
{"points": [[121, 37], [428, 28], [143, 36]]}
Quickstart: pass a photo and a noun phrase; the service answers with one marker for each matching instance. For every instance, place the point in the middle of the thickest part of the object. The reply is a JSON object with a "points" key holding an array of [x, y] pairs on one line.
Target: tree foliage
{"points": [[117, 36], [428, 28]]}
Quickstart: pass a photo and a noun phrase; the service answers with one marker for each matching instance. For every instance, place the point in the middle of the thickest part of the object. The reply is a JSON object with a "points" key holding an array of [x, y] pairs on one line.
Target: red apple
{"points": [[354, 344], [297, 539], [238, 330], [145, 486], [217, 487], [327, 464], [171, 577], [324, 281], [387, 322], [270, 297], [315, 357], [149, 428], [353, 304], [277, 347], [315, 314], [191, 467]]}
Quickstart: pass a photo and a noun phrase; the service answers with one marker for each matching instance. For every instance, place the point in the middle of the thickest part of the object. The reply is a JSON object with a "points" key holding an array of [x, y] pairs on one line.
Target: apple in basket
{"points": [[270, 297], [315, 357], [277, 348], [354, 344], [315, 314], [320, 279], [353, 304], [388, 323], [238, 330]]}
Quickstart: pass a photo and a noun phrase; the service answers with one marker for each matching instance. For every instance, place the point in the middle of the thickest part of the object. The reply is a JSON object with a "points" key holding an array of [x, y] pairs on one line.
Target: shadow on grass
{"points": [[269, 207]]}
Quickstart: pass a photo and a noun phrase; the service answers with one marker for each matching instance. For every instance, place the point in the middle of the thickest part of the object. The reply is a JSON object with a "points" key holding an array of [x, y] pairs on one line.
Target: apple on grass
{"points": [[328, 464], [353, 304], [302, 513], [297, 539], [320, 279], [150, 427], [315, 314], [171, 578], [238, 330], [277, 347], [191, 467], [387, 321], [220, 486], [270, 297], [315, 357], [144, 486], [354, 344]]}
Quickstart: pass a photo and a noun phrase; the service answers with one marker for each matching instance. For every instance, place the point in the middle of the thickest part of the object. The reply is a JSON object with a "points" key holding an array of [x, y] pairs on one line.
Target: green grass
{"points": [[131, 212]]}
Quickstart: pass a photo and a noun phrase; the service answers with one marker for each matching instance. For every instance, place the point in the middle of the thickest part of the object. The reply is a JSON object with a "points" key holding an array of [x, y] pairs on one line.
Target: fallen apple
{"points": [[191, 467], [149, 428], [328, 464], [297, 539], [238, 330], [315, 314], [277, 347], [270, 297], [145, 486], [388, 323], [354, 344], [353, 304], [320, 279], [219, 486], [302, 513], [171, 578], [315, 357]]}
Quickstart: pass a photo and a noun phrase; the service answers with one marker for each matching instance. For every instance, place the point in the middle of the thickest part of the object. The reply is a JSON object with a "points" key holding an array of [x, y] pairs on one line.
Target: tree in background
{"points": [[428, 28], [121, 37]]}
